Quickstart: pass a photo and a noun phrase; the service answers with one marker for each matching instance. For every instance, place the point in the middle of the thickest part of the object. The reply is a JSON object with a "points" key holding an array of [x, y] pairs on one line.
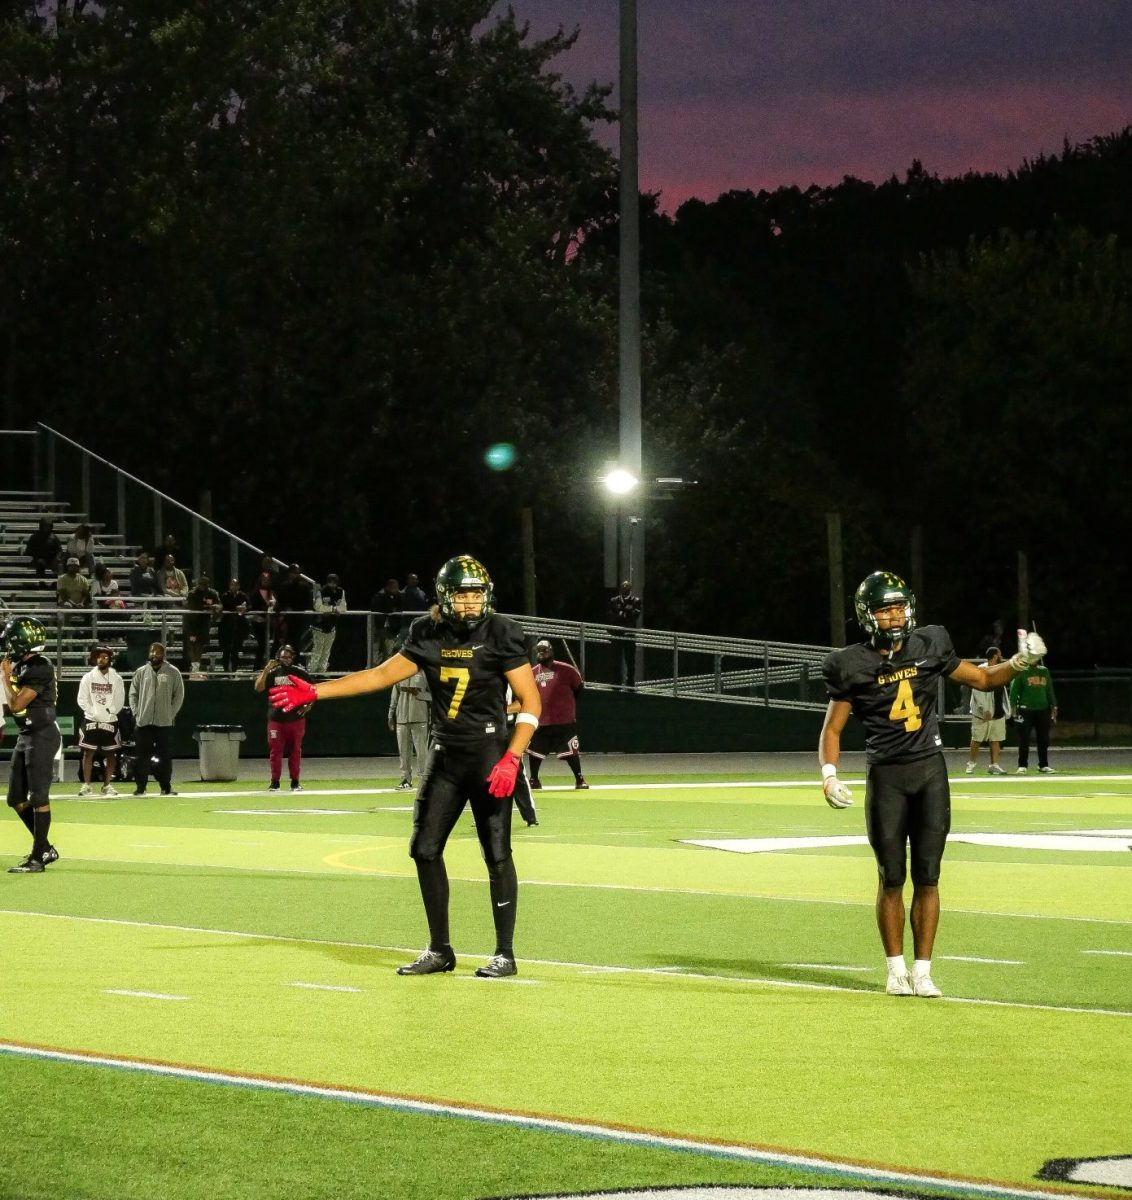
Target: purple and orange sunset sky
{"points": [[762, 93]]}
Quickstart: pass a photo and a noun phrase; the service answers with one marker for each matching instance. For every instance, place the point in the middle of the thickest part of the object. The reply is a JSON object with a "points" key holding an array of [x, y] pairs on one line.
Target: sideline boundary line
{"points": [[624, 1134]]}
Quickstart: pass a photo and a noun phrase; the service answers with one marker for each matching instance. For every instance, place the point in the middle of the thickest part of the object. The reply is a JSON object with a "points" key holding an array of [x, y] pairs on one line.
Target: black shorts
{"points": [[554, 739], [93, 738], [908, 814], [454, 776], [33, 765]]}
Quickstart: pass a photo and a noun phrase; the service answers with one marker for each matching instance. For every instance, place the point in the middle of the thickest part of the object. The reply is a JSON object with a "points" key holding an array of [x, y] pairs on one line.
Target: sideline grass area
{"points": [[663, 986]]}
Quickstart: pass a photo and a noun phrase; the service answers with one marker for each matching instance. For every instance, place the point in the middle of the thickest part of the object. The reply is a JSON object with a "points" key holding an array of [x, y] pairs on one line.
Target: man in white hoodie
{"points": [[101, 697]]}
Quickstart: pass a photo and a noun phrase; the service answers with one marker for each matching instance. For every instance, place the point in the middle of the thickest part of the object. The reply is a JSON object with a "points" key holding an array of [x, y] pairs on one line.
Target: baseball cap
{"points": [[72, 559]]}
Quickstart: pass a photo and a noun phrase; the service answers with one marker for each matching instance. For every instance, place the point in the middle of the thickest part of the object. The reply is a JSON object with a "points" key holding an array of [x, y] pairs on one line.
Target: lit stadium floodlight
{"points": [[619, 481]]}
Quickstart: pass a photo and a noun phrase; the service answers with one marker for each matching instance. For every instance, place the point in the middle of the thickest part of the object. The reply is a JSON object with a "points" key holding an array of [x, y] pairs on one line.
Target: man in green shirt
{"points": [[1034, 703]]}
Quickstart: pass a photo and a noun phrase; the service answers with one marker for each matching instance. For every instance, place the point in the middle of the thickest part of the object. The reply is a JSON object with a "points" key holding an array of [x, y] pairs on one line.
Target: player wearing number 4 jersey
{"points": [[469, 656], [890, 683]]}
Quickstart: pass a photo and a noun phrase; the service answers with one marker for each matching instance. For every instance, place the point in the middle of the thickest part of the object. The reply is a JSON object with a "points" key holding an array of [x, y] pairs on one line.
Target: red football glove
{"points": [[501, 781], [289, 696]]}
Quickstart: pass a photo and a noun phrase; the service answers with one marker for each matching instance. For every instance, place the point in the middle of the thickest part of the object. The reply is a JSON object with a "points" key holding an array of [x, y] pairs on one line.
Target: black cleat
{"points": [[430, 962], [296, 786], [50, 855], [580, 784], [139, 791], [274, 786], [169, 792], [498, 967], [536, 785], [30, 866]]}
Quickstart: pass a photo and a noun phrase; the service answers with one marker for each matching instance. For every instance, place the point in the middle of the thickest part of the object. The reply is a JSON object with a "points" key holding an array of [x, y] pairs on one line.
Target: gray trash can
{"points": [[219, 751]]}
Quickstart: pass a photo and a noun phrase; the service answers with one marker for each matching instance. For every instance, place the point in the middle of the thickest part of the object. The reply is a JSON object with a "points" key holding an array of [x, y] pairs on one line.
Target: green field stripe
{"points": [[541, 1123], [1087, 890], [244, 849], [704, 1058]]}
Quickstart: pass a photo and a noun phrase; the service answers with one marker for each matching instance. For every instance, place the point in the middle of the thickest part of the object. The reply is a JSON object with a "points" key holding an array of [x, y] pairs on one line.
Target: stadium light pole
{"points": [[629, 519]]}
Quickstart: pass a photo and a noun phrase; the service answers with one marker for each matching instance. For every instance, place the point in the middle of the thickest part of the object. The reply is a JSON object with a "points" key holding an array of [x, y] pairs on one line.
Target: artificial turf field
{"points": [[199, 998]]}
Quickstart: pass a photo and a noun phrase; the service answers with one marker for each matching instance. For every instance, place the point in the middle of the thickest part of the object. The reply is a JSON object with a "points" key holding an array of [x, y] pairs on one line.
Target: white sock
{"points": [[922, 967], [896, 964]]}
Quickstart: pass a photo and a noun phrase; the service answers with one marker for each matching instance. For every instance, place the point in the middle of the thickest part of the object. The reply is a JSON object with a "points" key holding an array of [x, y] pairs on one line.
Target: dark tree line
{"points": [[318, 257]]}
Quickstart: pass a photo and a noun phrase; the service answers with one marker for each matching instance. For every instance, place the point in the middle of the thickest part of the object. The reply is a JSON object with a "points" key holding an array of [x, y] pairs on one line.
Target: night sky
{"points": [[754, 93]]}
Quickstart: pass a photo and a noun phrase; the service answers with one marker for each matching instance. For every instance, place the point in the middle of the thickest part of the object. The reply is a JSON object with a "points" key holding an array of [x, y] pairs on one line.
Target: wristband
{"points": [[828, 770], [526, 718]]}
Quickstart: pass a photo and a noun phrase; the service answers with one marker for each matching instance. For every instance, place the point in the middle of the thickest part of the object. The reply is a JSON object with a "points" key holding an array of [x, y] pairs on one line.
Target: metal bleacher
{"points": [[21, 590]]}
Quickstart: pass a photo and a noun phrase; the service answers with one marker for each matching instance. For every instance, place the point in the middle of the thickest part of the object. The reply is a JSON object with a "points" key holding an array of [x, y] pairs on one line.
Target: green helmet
{"points": [[880, 590], [463, 574], [23, 635]]}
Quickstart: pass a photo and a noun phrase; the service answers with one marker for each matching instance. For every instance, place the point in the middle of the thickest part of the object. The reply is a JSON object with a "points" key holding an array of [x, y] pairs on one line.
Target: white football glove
{"points": [[837, 794], [1031, 649]]}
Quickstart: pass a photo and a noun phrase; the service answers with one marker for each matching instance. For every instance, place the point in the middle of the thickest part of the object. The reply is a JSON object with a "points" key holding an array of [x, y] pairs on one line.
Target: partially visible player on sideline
{"points": [[30, 692], [469, 656], [102, 695], [285, 728], [890, 684], [559, 684]]}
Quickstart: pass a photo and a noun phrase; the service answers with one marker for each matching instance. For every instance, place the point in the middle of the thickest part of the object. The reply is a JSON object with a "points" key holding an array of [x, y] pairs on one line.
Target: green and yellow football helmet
{"points": [[882, 589], [463, 574], [22, 635]]}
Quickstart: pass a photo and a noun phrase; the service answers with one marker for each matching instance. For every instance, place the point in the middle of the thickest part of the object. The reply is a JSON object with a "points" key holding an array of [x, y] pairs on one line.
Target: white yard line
{"points": [[143, 995], [657, 972], [998, 962]]}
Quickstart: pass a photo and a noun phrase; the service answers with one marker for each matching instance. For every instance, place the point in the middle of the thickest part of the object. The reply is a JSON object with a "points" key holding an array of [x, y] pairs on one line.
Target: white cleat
{"points": [[970, 768], [995, 769], [922, 986], [109, 790], [1020, 771], [899, 984], [85, 790]]}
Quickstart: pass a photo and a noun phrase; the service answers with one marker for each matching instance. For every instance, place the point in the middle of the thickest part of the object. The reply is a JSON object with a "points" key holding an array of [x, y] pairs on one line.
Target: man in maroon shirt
{"points": [[558, 684]]}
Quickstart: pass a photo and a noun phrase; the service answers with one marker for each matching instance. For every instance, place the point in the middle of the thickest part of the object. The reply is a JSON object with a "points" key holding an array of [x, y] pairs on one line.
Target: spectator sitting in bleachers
{"points": [[143, 581], [81, 546], [171, 581], [44, 549], [72, 590], [104, 591]]}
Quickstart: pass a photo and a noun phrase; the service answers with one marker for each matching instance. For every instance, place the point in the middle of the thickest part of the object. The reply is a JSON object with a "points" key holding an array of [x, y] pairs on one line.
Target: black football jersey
{"points": [[465, 669], [36, 673], [895, 697]]}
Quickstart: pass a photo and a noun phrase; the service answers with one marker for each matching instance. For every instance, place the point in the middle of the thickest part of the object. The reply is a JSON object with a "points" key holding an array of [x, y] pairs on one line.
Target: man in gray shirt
{"points": [[156, 695]]}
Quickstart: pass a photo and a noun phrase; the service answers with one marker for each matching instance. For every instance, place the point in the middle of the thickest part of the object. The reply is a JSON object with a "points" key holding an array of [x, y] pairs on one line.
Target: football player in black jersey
{"points": [[29, 695], [890, 684], [469, 656]]}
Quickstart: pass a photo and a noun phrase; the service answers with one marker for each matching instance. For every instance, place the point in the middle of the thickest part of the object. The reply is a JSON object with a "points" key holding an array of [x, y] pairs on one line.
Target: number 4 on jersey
{"points": [[904, 708]]}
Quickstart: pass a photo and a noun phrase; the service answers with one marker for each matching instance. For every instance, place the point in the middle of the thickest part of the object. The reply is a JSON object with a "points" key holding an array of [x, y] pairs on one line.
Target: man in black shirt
{"points": [[890, 684], [469, 656], [30, 692], [285, 727]]}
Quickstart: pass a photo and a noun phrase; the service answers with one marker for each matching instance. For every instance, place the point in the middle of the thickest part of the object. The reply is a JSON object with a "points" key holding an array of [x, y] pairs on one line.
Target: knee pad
{"points": [[424, 849], [892, 874]]}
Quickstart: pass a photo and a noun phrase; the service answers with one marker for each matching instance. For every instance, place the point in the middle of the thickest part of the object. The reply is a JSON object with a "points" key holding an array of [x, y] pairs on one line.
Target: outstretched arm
{"points": [[298, 692]]}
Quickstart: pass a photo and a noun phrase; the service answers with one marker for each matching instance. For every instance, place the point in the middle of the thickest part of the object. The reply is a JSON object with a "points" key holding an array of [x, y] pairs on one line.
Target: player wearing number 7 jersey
{"points": [[890, 683], [468, 656]]}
